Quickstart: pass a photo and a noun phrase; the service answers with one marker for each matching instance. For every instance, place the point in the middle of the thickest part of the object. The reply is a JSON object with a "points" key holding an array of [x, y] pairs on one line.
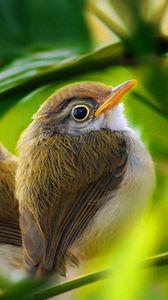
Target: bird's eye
{"points": [[80, 113]]}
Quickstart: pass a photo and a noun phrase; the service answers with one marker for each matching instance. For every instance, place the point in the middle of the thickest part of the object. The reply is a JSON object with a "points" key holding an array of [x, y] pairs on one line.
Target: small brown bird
{"points": [[82, 173]]}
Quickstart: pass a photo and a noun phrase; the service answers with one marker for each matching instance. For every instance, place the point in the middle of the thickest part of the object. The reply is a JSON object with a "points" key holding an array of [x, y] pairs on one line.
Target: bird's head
{"points": [[83, 107]]}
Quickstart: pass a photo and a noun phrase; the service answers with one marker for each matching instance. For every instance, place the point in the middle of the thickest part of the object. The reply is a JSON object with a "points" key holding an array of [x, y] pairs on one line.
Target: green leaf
{"points": [[45, 67]]}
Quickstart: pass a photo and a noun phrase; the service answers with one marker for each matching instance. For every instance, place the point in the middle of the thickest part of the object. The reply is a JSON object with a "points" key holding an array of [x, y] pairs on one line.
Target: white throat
{"points": [[115, 119]]}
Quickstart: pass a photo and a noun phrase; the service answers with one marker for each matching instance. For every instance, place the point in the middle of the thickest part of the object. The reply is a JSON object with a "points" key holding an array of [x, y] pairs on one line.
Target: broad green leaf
{"points": [[45, 67]]}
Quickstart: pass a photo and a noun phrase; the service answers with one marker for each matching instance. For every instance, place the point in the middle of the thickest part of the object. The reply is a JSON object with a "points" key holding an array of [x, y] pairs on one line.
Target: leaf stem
{"points": [[152, 261], [71, 285]]}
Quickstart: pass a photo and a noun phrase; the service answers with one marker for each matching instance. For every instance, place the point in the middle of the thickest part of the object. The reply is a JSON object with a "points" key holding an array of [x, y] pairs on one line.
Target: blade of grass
{"points": [[24, 289], [71, 285], [153, 261]]}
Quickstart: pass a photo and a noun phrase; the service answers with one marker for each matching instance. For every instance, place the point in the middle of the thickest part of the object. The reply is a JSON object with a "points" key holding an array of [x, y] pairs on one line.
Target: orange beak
{"points": [[117, 94]]}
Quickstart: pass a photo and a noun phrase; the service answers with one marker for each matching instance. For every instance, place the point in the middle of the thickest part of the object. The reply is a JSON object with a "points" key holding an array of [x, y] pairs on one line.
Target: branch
{"points": [[71, 285], [152, 261]]}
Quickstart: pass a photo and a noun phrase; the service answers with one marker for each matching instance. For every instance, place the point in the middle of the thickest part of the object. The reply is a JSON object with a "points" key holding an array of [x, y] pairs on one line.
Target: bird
{"points": [[82, 173]]}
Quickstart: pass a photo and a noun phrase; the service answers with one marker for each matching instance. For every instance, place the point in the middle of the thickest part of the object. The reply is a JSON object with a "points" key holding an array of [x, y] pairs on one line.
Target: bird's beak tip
{"points": [[117, 94]]}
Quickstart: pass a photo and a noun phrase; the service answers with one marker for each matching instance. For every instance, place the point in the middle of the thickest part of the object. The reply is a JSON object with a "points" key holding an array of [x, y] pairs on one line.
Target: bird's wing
{"points": [[10, 234], [85, 207]]}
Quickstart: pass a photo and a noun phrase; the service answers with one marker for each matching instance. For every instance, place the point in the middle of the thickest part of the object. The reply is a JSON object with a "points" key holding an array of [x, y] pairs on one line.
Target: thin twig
{"points": [[152, 261], [71, 285]]}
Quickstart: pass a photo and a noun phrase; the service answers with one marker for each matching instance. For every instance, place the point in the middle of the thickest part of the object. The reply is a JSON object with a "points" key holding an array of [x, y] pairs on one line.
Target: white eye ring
{"points": [[74, 112]]}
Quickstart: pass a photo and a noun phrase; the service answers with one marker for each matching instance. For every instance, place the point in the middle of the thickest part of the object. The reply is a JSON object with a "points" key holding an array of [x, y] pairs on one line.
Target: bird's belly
{"points": [[122, 205]]}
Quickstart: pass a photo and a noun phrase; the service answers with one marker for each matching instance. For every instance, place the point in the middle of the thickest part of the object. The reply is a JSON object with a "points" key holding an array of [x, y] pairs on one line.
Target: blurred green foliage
{"points": [[30, 26], [48, 44]]}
